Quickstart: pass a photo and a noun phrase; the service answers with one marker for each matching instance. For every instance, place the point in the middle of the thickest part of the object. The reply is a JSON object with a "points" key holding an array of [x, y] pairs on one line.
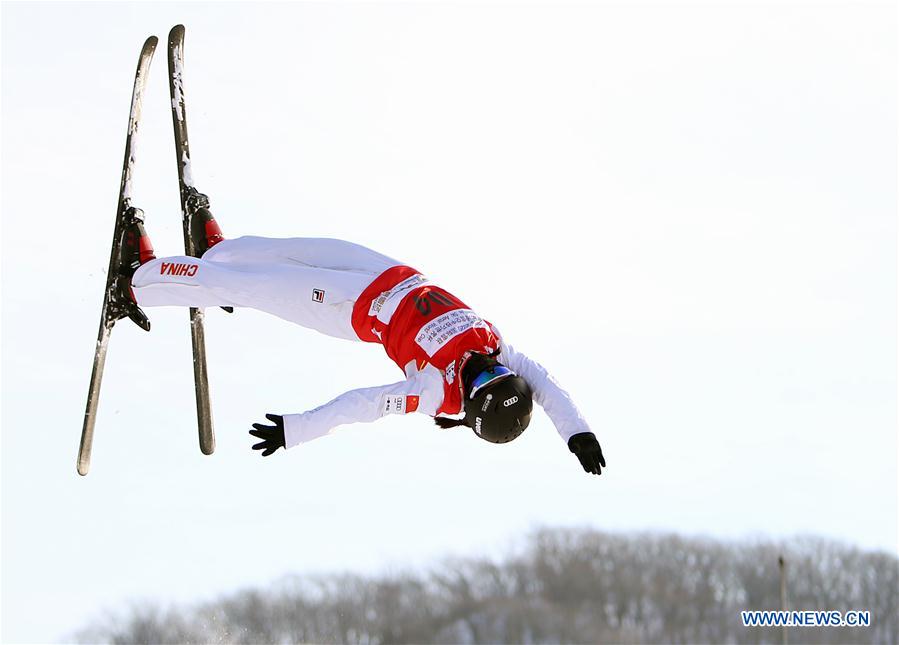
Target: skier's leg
{"points": [[324, 253], [320, 299]]}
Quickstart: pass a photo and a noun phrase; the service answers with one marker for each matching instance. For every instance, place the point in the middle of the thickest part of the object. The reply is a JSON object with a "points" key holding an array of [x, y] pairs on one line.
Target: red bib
{"points": [[417, 321]]}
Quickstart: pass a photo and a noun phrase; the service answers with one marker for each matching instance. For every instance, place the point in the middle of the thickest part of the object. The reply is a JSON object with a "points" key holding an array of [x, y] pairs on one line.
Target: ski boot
{"points": [[135, 249], [205, 232]]}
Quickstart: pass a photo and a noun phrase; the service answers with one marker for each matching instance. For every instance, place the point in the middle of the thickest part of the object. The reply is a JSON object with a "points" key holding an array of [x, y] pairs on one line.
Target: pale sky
{"points": [[687, 213]]}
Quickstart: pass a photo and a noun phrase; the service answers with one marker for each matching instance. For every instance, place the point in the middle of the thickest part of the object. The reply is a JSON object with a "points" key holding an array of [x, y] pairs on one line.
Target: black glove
{"points": [[272, 436], [586, 448]]}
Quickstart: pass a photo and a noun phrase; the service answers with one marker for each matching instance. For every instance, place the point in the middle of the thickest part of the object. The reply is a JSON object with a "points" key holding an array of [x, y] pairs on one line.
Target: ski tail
{"points": [[93, 400], [108, 314], [185, 182]]}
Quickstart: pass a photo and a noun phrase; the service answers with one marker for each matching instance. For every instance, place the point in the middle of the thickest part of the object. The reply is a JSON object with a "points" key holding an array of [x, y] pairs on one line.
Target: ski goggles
{"points": [[485, 378]]}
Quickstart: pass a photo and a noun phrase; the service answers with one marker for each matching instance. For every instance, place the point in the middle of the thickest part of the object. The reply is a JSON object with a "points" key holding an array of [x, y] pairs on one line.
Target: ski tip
{"points": [[176, 33], [151, 42]]}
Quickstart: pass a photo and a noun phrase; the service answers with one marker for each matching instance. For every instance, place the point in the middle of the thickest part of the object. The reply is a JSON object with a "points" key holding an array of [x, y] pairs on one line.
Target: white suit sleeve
{"points": [[361, 406], [554, 400]]}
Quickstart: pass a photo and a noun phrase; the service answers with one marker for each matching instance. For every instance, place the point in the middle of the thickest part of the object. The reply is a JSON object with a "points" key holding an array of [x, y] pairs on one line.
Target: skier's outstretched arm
{"points": [[559, 407], [356, 406]]}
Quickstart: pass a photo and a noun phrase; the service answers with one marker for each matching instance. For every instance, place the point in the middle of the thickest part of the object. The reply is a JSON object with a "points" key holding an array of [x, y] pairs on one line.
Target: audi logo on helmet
{"points": [[510, 401]]}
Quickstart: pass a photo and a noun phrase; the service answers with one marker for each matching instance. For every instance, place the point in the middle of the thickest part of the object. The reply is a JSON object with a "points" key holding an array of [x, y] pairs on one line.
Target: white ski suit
{"points": [[348, 291]]}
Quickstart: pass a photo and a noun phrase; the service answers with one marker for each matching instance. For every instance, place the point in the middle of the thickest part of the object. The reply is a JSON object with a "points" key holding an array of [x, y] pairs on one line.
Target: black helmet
{"points": [[498, 404]]}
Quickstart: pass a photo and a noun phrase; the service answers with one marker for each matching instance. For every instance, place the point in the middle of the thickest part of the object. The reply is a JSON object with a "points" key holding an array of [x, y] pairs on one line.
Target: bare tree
{"points": [[562, 586]]}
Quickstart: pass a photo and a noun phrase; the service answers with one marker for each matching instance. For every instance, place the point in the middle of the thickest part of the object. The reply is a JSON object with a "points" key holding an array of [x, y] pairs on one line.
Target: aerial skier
{"points": [[459, 370]]}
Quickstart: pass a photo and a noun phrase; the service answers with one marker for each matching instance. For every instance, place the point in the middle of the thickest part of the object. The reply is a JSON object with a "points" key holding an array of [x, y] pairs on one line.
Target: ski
{"points": [[112, 310], [188, 209]]}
